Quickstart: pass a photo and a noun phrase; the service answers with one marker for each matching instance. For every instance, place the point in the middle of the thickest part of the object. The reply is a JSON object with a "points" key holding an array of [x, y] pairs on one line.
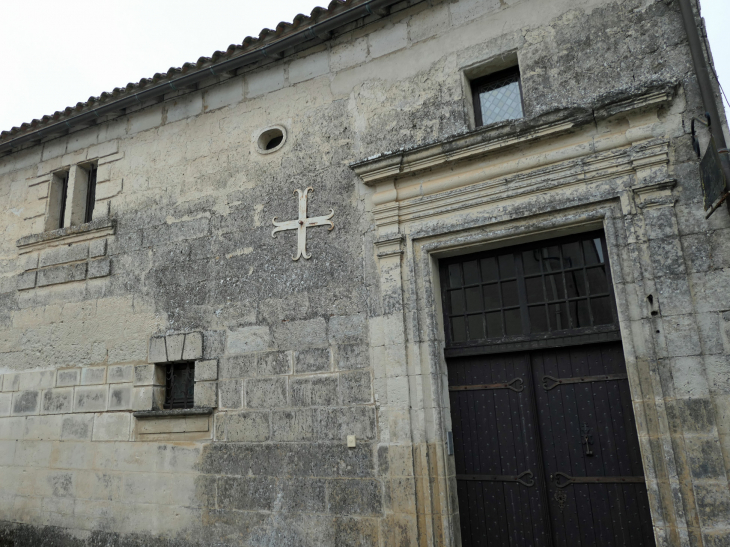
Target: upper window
{"points": [[549, 289], [72, 197], [497, 97]]}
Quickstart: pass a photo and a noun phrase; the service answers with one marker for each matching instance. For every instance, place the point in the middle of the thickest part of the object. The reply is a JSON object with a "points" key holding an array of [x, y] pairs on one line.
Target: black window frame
{"points": [[490, 79], [179, 372], [528, 340], [64, 197], [90, 194]]}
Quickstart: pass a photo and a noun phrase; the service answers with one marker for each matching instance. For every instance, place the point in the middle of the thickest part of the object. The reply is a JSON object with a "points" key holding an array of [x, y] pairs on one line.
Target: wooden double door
{"points": [[546, 449]]}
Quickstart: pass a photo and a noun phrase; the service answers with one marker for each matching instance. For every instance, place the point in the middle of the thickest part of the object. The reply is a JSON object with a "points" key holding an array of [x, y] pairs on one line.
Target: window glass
{"points": [[498, 97], [555, 286]]}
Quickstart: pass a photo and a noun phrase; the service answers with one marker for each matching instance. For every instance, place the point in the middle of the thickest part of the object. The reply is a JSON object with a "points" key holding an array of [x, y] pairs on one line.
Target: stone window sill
{"points": [[177, 412], [70, 234]]}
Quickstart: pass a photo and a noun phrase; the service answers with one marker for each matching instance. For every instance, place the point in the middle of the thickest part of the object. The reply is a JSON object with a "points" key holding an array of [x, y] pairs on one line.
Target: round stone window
{"points": [[271, 139]]}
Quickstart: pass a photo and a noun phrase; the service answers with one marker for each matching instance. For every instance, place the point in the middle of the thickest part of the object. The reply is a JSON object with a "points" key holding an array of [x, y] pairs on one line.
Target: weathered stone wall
{"points": [[301, 354]]}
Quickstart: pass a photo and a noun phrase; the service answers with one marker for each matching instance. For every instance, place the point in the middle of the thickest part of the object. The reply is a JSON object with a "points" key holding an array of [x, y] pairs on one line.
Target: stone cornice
{"points": [[476, 144]]}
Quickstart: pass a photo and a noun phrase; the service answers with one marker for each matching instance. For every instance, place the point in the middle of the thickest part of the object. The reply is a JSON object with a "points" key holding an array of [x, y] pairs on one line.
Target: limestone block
{"points": [[348, 329], [428, 23], [77, 427], [312, 360], [149, 375], [28, 261], [101, 267], [292, 425], [26, 402], [37, 380], [388, 40], [319, 390], [354, 497], [355, 387], [26, 280], [239, 366], [348, 54], [68, 377], [57, 401], [174, 344], [120, 396], [11, 382], [62, 274], [352, 357], [247, 493], [103, 149], [264, 81], [97, 248], [7, 453], [185, 106], [90, 398], [12, 428], [64, 254], [266, 393], [158, 350], [309, 67], [148, 398], [193, 348], [230, 393], [273, 363], [43, 428], [144, 120], [206, 370], [247, 427], [248, 339], [33, 454], [335, 424], [206, 394], [119, 374], [93, 375], [5, 400], [225, 94], [112, 426], [311, 333]]}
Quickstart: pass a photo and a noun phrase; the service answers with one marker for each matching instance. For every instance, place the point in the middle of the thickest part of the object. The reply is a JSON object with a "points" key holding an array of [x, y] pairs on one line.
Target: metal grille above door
{"points": [[544, 294]]}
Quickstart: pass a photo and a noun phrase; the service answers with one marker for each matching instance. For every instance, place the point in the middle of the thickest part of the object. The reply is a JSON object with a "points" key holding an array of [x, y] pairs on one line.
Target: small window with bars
{"points": [[497, 97], [553, 288], [179, 385]]}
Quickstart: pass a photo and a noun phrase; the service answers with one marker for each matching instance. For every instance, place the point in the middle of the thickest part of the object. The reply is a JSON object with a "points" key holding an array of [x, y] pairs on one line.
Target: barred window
{"points": [[552, 288], [179, 385]]}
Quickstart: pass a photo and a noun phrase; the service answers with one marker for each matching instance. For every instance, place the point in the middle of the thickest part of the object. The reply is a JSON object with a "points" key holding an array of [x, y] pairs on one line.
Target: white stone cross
{"points": [[302, 223]]}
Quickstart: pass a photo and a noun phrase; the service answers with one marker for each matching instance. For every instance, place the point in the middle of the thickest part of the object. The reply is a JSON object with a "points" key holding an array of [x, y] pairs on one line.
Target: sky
{"points": [[57, 53]]}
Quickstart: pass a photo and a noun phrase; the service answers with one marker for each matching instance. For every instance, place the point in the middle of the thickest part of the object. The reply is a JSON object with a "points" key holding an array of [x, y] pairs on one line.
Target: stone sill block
{"points": [[69, 231], [177, 412]]}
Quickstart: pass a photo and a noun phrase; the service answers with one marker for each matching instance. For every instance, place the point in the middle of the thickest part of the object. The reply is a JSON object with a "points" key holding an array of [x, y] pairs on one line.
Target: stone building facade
{"points": [[321, 410]]}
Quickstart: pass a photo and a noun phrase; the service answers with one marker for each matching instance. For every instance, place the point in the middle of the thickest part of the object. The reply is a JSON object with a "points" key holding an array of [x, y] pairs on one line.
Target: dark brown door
{"points": [[545, 440], [546, 449]]}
